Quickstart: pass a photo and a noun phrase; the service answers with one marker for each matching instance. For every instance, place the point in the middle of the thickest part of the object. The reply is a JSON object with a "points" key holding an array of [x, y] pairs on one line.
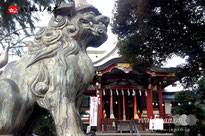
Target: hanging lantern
{"points": [[103, 92], [111, 92], [133, 92], [122, 92], [117, 92], [140, 93], [128, 92]]}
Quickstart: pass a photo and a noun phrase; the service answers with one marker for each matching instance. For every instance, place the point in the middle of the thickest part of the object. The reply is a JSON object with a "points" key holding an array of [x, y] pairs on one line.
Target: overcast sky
{"points": [[105, 7]]}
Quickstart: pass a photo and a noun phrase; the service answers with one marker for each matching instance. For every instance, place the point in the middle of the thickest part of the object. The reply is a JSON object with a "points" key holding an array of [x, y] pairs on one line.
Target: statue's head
{"points": [[73, 26], [85, 22]]}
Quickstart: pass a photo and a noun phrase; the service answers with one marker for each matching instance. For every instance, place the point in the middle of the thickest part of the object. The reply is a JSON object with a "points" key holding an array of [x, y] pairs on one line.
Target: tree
{"points": [[150, 32], [24, 16], [191, 103], [23, 19], [45, 126]]}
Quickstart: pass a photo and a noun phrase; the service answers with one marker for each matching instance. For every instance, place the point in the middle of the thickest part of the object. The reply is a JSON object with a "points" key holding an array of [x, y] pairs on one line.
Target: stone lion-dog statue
{"points": [[54, 73]]}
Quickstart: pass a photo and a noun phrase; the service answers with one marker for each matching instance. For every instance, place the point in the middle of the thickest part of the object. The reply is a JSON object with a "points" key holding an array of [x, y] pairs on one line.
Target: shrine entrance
{"points": [[126, 96], [120, 104]]}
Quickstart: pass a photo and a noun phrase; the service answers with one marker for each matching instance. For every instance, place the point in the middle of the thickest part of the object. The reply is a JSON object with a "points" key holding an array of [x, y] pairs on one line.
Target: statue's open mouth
{"points": [[99, 36], [100, 30]]}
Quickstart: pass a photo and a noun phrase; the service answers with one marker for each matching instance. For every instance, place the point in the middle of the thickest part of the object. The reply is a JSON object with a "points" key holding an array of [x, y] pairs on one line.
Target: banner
{"points": [[93, 111], [156, 124], [88, 129]]}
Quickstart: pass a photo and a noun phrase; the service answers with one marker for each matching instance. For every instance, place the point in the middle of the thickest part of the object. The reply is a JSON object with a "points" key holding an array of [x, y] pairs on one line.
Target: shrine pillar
{"points": [[161, 108], [119, 104], [119, 107], [148, 94], [111, 106], [100, 112], [135, 105], [123, 100]]}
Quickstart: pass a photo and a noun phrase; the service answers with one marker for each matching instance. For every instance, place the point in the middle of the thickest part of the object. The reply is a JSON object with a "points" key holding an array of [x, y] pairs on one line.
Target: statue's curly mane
{"points": [[52, 40], [54, 73]]}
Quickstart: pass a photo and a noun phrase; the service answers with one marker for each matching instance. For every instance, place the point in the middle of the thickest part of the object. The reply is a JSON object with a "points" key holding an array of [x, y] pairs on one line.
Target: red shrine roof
{"points": [[112, 64], [154, 71]]}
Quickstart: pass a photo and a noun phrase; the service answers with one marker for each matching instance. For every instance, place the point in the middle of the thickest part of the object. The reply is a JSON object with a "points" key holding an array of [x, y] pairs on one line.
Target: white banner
{"points": [[156, 124], [88, 129], [93, 111]]}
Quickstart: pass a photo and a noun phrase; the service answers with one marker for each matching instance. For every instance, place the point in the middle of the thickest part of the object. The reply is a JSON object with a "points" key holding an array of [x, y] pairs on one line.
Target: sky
{"points": [[105, 7]]}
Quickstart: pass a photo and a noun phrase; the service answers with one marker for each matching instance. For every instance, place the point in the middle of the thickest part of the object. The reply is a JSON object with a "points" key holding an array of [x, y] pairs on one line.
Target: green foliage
{"points": [[12, 26], [45, 126], [196, 108], [201, 91], [23, 18], [83, 101], [150, 31]]}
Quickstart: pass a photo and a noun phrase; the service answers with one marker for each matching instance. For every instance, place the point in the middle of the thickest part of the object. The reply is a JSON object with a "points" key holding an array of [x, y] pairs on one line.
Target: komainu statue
{"points": [[54, 73]]}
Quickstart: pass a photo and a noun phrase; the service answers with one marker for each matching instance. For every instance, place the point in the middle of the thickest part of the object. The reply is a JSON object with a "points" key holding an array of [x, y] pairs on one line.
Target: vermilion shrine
{"points": [[124, 95]]}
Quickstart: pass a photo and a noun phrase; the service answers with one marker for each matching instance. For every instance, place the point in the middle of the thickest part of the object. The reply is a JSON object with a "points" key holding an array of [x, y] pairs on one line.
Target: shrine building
{"points": [[125, 96]]}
